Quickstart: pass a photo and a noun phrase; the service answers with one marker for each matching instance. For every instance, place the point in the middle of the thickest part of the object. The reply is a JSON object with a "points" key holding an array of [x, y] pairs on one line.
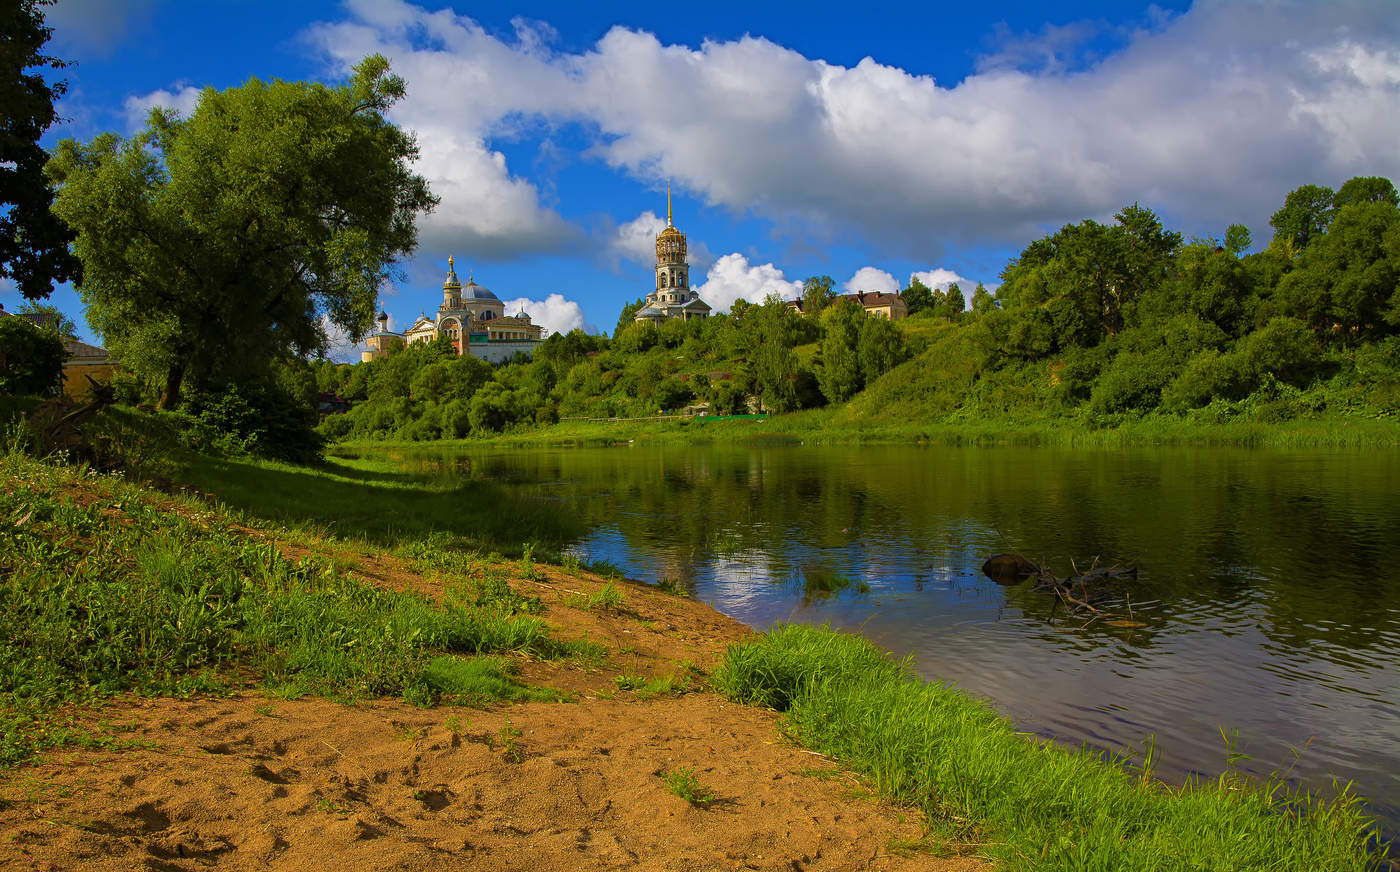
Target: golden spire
{"points": [[450, 265], [668, 203]]}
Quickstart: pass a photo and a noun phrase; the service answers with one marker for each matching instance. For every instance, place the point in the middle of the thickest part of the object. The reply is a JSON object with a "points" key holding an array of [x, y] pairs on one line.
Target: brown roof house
{"points": [[877, 304]]}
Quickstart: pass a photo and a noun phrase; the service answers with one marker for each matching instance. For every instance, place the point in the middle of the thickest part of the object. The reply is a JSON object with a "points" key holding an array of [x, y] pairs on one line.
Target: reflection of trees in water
{"points": [[1303, 538]]}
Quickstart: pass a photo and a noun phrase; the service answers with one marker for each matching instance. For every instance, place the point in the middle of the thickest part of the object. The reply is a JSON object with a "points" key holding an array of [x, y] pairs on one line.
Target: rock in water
{"points": [[1009, 568]]}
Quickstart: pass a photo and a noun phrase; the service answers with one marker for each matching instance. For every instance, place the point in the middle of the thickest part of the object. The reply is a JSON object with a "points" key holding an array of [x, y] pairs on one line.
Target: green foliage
{"points": [[1027, 803], [607, 598], [1306, 214], [628, 316], [1089, 275], [840, 374], [33, 242], [683, 782], [268, 419], [917, 296], [214, 244], [1238, 239], [636, 337], [476, 681], [1095, 325], [1366, 189], [817, 294], [31, 359], [118, 595]]}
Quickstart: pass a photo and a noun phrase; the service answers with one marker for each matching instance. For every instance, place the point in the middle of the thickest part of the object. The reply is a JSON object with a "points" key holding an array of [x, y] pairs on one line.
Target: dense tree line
{"points": [[756, 356], [1096, 320], [1107, 320]]}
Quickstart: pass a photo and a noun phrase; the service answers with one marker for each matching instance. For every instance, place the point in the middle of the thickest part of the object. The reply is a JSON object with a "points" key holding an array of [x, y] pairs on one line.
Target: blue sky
{"points": [[868, 142]]}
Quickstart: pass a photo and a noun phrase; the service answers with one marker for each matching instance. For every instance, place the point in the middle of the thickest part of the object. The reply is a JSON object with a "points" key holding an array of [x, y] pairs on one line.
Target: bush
{"points": [[31, 360], [1284, 348], [1133, 382], [1208, 376]]}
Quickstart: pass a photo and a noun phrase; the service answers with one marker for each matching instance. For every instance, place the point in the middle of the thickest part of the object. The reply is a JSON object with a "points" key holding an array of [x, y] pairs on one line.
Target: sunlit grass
{"points": [[107, 588], [1027, 803]]}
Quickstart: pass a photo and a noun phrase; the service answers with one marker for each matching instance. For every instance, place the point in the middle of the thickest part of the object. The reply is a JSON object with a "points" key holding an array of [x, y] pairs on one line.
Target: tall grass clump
{"points": [[1024, 802]]}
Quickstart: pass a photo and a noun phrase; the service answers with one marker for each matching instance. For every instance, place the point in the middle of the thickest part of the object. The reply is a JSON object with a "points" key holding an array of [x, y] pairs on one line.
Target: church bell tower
{"points": [[672, 270]]}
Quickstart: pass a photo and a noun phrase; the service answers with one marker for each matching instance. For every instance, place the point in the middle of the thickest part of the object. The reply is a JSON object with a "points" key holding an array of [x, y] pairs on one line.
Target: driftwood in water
{"points": [[1077, 592]]}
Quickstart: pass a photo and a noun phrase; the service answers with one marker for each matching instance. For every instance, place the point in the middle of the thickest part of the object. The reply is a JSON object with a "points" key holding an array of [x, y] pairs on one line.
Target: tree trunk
{"points": [[173, 377]]}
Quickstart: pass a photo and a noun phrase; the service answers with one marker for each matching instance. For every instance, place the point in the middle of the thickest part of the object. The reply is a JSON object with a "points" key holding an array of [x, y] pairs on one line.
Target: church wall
{"points": [[499, 351]]}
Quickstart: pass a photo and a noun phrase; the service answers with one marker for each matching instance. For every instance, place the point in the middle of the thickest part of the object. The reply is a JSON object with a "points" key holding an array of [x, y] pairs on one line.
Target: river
{"points": [[1266, 609]]}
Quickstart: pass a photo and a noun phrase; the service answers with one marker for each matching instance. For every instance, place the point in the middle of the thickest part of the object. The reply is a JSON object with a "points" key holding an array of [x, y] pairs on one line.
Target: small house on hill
{"points": [[877, 304]]}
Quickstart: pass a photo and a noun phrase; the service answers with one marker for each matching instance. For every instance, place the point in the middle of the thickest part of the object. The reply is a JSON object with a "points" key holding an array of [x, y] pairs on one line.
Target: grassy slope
{"points": [[107, 587], [1026, 803]]}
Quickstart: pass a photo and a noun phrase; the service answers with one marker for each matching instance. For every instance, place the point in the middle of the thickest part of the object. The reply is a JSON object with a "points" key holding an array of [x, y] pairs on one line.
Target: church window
{"points": [[663, 280]]}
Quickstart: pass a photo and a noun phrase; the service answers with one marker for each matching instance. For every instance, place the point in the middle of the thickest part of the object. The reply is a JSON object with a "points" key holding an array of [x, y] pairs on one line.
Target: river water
{"points": [[1267, 605]]}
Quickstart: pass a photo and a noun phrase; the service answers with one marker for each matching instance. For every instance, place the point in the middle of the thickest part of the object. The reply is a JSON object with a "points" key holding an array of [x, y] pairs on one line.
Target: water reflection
{"points": [[1267, 599]]}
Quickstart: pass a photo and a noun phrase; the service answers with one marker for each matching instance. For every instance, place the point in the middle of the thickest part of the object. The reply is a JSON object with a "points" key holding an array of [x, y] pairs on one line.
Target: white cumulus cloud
{"points": [[734, 278], [635, 240], [136, 107], [939, 279], [554, 312], [869, 278]]}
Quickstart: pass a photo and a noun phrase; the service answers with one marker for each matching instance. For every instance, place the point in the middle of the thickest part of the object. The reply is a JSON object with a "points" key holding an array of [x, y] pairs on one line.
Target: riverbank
{"points": [[822, 427], [504, 708], [188, 687]]}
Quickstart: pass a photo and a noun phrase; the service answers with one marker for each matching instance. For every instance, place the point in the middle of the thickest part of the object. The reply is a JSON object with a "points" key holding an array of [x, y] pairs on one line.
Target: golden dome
{"points": [[670, 243]]}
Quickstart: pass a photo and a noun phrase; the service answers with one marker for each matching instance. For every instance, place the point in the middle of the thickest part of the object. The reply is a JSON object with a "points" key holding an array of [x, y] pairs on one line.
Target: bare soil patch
{"points": [[249, 783]]}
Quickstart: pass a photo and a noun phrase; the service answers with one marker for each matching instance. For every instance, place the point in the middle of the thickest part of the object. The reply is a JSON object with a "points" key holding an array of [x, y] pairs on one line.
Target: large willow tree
{"points": [[214, 244]]}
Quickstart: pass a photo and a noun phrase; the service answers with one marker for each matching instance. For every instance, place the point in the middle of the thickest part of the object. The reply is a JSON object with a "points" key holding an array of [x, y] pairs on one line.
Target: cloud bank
{"points": [[1209, 116]]}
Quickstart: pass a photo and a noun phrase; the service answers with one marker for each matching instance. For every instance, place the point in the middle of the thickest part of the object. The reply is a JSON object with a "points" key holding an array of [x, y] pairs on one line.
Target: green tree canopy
{"points": [[817, 294], [953, 304], [917, 296], [1366, 189], [215, 244], [53, 318], [31, 359], [1307, 211], [628, 316], [1238, 239], [33, 242], [1088, 277], [839, 375]]}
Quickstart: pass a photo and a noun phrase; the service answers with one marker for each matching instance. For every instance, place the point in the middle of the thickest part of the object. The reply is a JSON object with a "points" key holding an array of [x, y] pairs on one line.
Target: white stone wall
{"points": [[498, 352]]}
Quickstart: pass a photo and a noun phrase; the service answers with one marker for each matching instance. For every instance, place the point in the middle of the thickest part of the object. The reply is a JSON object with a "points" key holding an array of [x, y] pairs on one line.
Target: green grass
{"points": [[647, 688], [479, 680], [682, 782], [368, 499], [1026, 803], [606, 598], [673, 587], [113, 593]]}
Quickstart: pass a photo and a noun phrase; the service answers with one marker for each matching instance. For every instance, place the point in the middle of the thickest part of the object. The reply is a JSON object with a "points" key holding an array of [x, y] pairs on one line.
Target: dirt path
{"points": [[249, 782]]}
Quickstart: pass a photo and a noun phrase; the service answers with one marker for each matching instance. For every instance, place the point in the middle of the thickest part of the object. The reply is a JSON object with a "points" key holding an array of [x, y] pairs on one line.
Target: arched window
{"points": [[663, 280]]}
